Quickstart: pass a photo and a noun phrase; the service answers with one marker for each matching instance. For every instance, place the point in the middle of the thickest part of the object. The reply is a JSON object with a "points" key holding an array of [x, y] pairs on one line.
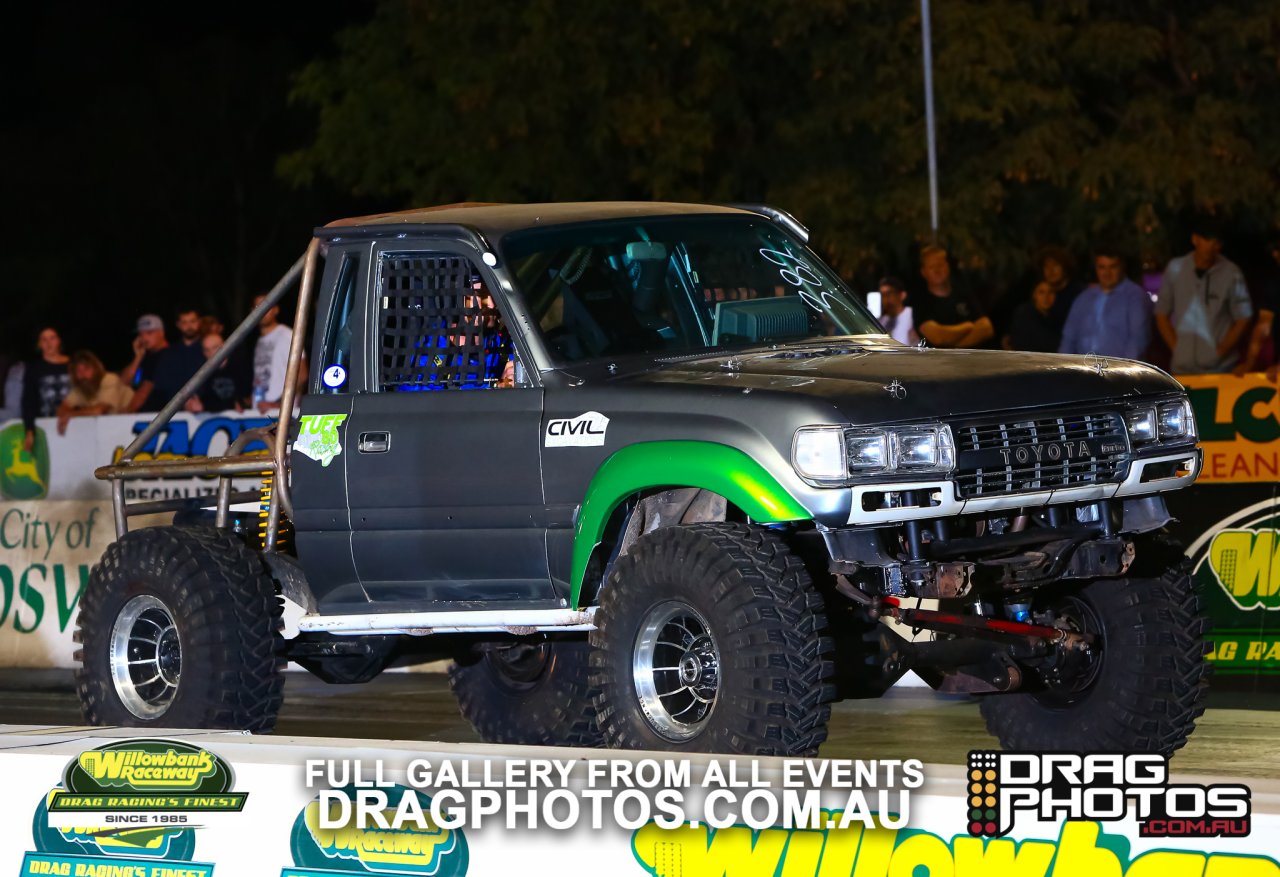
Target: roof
{"points": [[495, 220]]}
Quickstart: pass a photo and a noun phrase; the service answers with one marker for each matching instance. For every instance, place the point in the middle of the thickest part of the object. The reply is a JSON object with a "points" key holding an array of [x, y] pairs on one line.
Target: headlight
{"points": [[1176, 420], [868, 451], [924, 449], [818, 453], [1142, 425], [828, 454]]}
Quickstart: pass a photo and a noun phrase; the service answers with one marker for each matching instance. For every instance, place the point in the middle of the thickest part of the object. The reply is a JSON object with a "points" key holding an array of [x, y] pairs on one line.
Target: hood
{"points": [[889, 383]]}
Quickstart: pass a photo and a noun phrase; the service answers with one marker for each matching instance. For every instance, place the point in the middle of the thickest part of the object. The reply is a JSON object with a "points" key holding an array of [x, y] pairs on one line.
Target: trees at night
{"points": [[1059, 120]]}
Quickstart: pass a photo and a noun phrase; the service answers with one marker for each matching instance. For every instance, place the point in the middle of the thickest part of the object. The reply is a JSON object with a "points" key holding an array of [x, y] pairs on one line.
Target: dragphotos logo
{"points": [[1099, 787], [584, 431]]}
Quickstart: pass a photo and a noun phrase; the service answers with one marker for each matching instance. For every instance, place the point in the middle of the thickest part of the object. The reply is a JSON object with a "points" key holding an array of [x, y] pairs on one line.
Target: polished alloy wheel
{"points": [[676, 670], [146, 657]]}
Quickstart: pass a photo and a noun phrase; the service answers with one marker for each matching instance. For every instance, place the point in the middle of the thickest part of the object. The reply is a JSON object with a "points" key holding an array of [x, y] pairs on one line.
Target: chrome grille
{"points": [[1013, 453]]}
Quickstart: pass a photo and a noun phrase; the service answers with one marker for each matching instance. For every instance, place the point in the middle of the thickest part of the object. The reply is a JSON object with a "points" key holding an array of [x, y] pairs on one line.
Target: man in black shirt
{"points": [[943, 315], [226, 390]]}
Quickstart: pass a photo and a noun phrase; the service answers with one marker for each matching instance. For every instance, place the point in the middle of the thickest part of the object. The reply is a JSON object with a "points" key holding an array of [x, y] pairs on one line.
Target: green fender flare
{"points": [[706, 465]]}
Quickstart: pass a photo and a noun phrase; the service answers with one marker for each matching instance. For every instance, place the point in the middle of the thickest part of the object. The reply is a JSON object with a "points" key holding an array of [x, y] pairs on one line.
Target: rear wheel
{"points": [[535, 693], [180, 628], [709, 639], [1140, 687]]}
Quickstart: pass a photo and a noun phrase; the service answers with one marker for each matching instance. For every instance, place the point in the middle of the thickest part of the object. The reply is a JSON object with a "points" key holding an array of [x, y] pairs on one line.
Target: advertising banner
{"points": [[61, 465], [1230, 522], [56, 520], [213, 804]]}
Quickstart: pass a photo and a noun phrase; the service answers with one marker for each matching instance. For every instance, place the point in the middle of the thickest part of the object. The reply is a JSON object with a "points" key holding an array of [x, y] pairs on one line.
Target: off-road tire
{"points": [[1149, 689], [764, 617], [226, 612], [551, 706]]}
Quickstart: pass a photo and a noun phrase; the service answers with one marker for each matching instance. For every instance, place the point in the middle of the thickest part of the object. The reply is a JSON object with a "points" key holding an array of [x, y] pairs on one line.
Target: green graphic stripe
{"points": [[718, 468]]}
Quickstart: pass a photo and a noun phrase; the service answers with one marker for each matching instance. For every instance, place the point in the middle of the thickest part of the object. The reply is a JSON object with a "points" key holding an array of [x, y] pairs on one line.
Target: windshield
{"points": [[674, 285]]}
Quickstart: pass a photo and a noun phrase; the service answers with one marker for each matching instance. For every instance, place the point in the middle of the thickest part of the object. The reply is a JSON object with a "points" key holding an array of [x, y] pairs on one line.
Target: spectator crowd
{"points": [[53, 384], [1196, 317]]}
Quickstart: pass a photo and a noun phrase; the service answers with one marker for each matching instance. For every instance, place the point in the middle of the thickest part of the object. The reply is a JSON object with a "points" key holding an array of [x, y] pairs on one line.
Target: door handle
{"points": [[374, 442]]}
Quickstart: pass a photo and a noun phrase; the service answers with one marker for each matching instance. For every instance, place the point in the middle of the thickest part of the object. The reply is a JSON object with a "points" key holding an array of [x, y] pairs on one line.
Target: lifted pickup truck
{"points": [[652, 476]]}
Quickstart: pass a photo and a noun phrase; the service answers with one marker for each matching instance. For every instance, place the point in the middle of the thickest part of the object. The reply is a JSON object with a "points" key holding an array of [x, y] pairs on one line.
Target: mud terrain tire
{"points": [[529, 694], [709, 638], [1148, 689], [194, 608]]}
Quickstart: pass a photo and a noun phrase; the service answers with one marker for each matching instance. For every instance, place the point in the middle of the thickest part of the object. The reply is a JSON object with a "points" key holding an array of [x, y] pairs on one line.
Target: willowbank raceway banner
{"points": [[55, 517], [55, 520], [1230, 522], [199, 804]]}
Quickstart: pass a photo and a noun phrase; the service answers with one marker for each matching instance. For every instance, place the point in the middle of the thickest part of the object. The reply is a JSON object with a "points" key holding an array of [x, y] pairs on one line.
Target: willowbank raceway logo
{"points": [[1236, 564], [23, 474], [1100, 787], [131, 807], [1245, 562], [321, 848]]}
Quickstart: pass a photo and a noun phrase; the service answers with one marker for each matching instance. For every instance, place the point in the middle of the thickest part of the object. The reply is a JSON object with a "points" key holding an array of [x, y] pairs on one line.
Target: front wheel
{"points": [[1139, 688], [709, 639]]}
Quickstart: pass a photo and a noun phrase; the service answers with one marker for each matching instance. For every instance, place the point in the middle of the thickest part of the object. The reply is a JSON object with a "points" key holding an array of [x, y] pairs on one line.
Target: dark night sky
{"points": [[139, 145]]}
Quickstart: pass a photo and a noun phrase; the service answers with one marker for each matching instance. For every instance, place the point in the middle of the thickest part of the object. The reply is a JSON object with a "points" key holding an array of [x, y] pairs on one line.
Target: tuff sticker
{"points": [[584, 431], [318, 437]]}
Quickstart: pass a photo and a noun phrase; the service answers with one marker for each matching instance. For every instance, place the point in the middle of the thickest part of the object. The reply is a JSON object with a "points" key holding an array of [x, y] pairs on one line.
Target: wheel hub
{"points": [[676, 670], [1069, 674], [146, 656]]}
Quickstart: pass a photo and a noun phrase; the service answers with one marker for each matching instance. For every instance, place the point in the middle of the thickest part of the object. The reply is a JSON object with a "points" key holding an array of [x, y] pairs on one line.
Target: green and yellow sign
{"points": [[23, 474], [1239, 422], [320, 849]]}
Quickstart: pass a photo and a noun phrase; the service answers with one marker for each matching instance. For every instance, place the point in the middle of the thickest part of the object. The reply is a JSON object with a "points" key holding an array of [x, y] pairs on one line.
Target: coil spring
{"points": [[285, 528]]}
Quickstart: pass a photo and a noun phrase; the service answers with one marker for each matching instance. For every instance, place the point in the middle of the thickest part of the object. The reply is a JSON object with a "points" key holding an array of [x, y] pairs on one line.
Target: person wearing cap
{"points": [[1204, 307], [141, 371]]}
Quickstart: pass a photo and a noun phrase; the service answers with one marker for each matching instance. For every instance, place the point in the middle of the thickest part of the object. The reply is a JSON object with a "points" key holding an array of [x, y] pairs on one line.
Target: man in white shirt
{"points": [[895, 316], [270, 359]]}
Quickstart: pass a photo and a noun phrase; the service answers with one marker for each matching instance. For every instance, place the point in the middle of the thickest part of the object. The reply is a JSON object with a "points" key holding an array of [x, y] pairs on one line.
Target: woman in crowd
{"points": [[94, 390], [45, 383], [1033, 326]]}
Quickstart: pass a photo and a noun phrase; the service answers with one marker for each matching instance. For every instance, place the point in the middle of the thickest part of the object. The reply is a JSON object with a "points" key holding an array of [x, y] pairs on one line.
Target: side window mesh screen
{"points": [[439, 328]]}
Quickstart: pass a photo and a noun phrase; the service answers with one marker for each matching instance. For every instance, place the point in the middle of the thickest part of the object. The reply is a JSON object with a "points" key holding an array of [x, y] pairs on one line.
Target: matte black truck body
{"points": [[528, 422]]}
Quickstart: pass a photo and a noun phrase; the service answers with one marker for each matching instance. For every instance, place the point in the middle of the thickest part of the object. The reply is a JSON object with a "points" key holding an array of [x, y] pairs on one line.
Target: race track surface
{"points": [[907, 723]]}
